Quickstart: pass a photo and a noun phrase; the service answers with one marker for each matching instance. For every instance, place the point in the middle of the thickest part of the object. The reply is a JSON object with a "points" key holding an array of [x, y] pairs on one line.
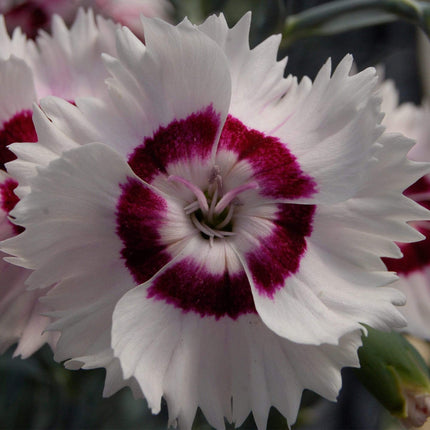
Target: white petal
{"points": [[70, 239], [407, 119], [68, 64], [399, 172], [130, 49], [52, 143], [415, 286], [205, 362], [184, 72], [81, 177], [341, 265], [17, 91], [322, 301], [16, 45], [363, 228], [257, 77], [16, 305], [20, 311], [69, 120], [333, 129], [34, 334]]}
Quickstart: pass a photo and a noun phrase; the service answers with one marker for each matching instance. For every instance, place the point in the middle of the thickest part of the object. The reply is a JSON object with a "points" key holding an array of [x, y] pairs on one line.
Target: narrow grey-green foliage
{"points": [[345, 15]]}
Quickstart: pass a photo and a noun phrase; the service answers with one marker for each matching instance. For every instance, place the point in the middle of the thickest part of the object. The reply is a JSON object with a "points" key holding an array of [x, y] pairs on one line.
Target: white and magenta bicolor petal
{"points": [[67, 64], [20, 312], [227, 367], [17, 95], [33, 15], [17, 45], [413, 268], [85, 286], [222, 256]]}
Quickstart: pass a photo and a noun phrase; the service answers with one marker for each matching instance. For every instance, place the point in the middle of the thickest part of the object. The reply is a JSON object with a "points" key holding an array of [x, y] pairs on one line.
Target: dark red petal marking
{"points": [[9, 200], [19, 128], [420, 186], [188, 286], [416, 256], [140, 213], [181, 140], [275, 168], [29, 15], [279, 254]]}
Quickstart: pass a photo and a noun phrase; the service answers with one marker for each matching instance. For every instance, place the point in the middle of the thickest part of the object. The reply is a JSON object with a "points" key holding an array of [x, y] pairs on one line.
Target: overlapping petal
{"points": [[17, 45], [17, 90], [20, 313], [85, 291], [257, 78], [32, 16], [226, 367], [412, 268], [128, 12], [67, 64]]}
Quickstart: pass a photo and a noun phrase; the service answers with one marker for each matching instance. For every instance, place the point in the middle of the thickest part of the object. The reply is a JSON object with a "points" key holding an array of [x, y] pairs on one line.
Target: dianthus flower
{"points": [[67, 64], [127, 12], [35, 15], [414, 268], [213, 232]]}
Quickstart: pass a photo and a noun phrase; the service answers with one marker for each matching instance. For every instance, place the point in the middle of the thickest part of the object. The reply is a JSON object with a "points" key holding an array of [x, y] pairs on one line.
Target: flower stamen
{"points": [[200, 196], [213, 204], [227, 219], [216, 177], [231, 195], [205, 228], [212, 213], [192, 207]]}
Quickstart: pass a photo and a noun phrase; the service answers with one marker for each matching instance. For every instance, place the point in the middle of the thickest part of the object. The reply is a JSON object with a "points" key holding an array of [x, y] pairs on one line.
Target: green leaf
{"points": [[392, 370], [344, 15]]}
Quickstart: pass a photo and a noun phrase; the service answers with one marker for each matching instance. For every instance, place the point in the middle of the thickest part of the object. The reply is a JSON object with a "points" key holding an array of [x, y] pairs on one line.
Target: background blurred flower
{"points": [[67, 64], [20, 310], [34, 15], [128, 12], [414, 268]]}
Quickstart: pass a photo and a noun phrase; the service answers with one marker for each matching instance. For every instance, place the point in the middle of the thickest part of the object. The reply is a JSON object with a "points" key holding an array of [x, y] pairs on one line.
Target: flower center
{"points": [[212, 211]]}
